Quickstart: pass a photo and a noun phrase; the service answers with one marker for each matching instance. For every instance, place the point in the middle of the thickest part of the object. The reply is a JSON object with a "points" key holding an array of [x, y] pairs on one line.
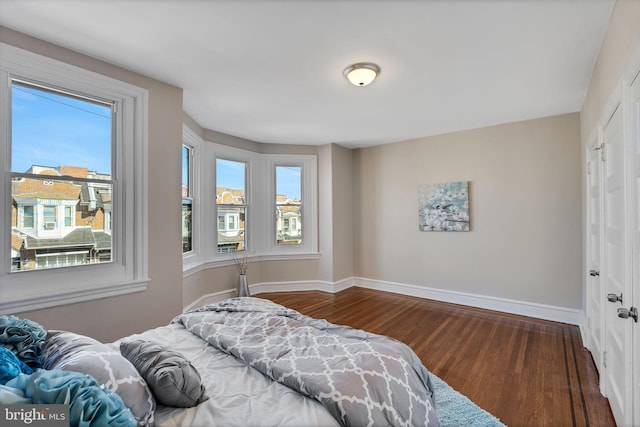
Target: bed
{"points": [[251, 362]]}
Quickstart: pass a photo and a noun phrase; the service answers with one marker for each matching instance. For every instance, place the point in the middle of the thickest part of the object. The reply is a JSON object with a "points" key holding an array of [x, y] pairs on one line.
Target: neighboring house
{"points": [[231, 219], [288, 220], [56, 223]]}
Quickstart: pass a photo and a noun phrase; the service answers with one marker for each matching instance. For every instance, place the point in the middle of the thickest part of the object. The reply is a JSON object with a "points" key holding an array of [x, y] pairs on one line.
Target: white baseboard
{"points": [[260, 288], [524, 308]]}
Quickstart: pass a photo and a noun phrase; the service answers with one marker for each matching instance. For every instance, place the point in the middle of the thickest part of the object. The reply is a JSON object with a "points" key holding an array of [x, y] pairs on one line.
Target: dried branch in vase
{"points": [[241, 261]]}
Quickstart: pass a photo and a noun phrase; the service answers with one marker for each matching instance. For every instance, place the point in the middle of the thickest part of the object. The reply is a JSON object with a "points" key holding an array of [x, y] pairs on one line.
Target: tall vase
{"points": [[243, 286]]}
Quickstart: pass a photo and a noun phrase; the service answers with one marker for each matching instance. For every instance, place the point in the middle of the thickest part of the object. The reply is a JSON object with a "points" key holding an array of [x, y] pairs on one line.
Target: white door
{"points": [[595, 295], [616, 274], [634, 300]]}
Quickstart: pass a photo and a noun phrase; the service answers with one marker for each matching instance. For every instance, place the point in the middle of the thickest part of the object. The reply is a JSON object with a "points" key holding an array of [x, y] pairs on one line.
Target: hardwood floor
{"points": [[525, 371]]}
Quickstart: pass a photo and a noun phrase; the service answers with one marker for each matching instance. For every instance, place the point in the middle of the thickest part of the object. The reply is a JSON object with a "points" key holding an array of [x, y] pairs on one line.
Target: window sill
{"points": [[38, 302], [193, 268]]}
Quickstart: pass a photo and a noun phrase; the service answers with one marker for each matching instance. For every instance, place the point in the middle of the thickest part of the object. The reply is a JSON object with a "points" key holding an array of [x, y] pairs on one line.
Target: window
{"points": [[231, 203], [68, 216], [293, 203], [187, 200], [288, 205], [46, 140], [27, 217], [48, 217], [264, 203], [76, 169]]}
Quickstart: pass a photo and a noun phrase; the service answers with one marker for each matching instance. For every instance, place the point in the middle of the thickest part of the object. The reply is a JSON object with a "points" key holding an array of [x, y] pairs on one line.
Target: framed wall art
{"points": [[444, 206]]}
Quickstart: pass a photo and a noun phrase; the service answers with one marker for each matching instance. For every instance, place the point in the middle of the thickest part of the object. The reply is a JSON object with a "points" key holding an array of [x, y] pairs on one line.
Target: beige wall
{"points": [[110, 318], [342, 213], [622, 37], [335, 212], [525, 207]]}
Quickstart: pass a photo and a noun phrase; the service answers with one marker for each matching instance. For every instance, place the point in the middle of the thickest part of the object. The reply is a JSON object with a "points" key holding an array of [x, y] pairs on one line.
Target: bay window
{"points": [[262, 203]]}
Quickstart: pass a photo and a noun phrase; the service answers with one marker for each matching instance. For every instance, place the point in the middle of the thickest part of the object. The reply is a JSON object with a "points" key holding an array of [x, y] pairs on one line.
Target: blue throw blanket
{"points": [[24, 338], [90, 405], [11, 366]]}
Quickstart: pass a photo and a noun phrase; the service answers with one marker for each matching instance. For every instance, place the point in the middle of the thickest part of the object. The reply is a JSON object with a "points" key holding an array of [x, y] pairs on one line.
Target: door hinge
{"points": [[602, 149], [588, 168], [604, 359]]}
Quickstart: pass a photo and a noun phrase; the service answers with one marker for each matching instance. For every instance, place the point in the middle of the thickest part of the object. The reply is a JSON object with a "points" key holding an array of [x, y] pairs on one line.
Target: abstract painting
{"points": [[444, 206]]}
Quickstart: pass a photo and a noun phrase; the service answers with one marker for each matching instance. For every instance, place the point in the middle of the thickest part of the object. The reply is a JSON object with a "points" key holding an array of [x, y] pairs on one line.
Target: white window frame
{"points": [[128, 271], [241, 156], [309, 197], [260, 199]]}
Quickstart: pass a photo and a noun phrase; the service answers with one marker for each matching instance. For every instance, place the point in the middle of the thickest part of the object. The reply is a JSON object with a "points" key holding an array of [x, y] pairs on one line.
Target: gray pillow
{"points": [[171, 377], [79, 353]]}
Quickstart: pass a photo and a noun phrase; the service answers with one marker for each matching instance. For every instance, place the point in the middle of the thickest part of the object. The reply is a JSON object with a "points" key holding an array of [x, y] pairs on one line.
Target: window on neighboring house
{"points": [[232, 223], [231, 203], [27, 217], [49, 217], [67, 125], [187, 200], [288, 205], [68, 216]]}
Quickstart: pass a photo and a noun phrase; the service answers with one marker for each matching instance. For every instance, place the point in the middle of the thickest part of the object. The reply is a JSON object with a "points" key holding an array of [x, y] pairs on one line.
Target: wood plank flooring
{"points": [[525, 371]]}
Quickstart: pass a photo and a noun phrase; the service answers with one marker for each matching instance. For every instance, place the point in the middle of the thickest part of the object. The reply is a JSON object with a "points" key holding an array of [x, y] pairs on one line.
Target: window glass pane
{"points": [[231, 228], [186, 225], [68, 216], [231, 203], [288, 205], [50, 129], [230, 182], [27, 217], [40, 243], [187, 204], [49, 217], [186, 172], [55, 134]]}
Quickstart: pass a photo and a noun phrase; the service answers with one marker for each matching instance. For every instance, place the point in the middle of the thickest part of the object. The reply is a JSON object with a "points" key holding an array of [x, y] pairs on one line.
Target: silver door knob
{"points": [[594, 273], [623, 313], [614, 298]]}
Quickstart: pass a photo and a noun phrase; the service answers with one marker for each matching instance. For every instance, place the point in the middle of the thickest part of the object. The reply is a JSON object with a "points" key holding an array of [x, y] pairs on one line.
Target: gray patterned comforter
{"points": [[362, 379]]}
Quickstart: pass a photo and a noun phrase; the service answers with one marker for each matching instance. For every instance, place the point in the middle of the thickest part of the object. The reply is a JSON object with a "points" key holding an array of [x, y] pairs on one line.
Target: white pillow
{"points": [[79, 353]]}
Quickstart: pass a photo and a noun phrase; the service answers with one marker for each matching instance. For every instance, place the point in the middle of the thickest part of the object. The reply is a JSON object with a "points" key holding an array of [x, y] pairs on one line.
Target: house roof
{"points": [[272, 71], [80, 236], [27, 188]]}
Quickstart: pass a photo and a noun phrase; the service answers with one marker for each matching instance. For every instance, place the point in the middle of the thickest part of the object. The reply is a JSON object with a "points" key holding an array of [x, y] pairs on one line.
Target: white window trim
{"points": [[215, 152], [260, 222], [36, 289], [309, 166]]}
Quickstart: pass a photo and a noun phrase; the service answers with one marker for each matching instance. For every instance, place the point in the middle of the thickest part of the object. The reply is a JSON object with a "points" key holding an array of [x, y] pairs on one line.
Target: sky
{"points": [[50, 129], [231, 174]]}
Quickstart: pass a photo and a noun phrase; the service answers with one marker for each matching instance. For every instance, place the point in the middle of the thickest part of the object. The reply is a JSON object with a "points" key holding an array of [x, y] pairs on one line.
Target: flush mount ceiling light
{"points": [[362, 73]]}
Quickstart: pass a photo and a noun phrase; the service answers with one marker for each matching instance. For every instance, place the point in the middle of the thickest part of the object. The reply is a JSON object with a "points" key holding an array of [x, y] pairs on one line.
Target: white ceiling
{"points": [[271, 71]]}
